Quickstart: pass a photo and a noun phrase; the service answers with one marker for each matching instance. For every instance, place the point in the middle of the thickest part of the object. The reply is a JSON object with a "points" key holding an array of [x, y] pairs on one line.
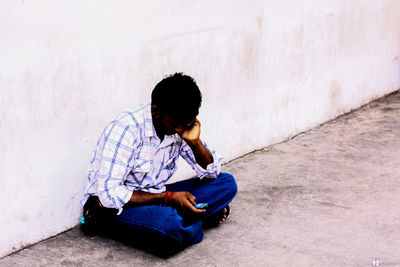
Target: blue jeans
{"points": [[162, 224]]}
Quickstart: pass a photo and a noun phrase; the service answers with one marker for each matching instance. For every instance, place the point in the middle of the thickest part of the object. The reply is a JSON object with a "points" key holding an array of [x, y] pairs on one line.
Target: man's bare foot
{"points": [[222, 215], [217, 218]]}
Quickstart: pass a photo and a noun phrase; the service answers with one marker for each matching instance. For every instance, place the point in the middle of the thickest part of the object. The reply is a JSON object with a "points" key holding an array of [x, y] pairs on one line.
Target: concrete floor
{"points": [[328, 197]]}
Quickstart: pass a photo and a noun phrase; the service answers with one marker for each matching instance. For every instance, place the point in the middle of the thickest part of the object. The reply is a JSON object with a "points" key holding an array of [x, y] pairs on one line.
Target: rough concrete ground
{"points": [[328, 197]]}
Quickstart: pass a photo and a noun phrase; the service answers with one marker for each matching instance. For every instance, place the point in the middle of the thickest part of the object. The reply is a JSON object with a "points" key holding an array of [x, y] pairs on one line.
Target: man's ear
{"points": [[155, 112]]}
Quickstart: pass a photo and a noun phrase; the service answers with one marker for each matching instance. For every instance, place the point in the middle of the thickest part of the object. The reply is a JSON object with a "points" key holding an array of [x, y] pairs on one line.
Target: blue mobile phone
{"points": [[201, 205]]}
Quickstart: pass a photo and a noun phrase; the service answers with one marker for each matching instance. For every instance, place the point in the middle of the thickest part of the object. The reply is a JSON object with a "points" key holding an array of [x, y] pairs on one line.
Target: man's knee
{"points": [[229, 183]]}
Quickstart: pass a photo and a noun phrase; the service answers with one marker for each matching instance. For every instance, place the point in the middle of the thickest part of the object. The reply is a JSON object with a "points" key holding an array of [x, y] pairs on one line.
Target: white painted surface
{"points": [[267, 70]]}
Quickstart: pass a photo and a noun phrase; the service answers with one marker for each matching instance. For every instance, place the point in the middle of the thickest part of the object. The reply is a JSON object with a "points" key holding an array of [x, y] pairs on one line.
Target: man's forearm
{"points": [[140, 197], [202, 154], [182, 199]]}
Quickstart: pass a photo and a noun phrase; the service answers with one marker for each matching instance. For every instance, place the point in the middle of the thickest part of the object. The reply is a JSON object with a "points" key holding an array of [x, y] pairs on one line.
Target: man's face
{"points": [[165, 124], [171, 126]]}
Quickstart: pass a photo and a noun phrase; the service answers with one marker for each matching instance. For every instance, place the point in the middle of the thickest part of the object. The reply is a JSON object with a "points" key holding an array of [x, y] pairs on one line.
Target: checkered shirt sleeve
{"points": [[211, 171], [118, 145]]}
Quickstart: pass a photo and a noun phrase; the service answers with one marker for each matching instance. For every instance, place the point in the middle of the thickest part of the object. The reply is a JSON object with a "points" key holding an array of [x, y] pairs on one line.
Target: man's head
{"points": [[175, 103]]}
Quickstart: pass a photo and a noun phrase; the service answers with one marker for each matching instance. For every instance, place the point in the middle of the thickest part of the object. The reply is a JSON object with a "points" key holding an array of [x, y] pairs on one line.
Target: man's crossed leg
{"points": [[167, 227]]}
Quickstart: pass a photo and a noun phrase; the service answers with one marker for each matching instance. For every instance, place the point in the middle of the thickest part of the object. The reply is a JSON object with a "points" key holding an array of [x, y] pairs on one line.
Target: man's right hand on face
{"points": [[186, 201]]}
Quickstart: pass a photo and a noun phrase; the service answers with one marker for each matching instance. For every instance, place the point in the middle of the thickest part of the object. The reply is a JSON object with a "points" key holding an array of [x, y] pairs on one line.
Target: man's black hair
{"points": [[178, 96]]}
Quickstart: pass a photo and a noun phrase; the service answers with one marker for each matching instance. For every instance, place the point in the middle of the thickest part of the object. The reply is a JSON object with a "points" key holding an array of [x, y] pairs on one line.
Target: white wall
{"points": [[267, 69]]}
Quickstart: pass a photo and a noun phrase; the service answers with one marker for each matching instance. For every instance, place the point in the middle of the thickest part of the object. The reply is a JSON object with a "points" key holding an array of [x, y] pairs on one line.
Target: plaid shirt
{"points": [[130, 157]]}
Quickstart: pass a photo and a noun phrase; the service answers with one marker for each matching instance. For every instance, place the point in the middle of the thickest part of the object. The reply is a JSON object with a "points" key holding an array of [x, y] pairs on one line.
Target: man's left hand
{"points": [[191, 133]]}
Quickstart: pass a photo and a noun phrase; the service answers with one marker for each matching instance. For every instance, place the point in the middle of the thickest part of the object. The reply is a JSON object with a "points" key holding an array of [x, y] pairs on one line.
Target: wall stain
{"points": [[390, 19], [300, 33], [335, 92], [249, 59], [259, 22], [353, 27]]}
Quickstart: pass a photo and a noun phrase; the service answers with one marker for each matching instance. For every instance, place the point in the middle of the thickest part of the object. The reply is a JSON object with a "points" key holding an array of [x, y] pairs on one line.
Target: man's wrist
{"points": [[168, 197], [194, 143]]}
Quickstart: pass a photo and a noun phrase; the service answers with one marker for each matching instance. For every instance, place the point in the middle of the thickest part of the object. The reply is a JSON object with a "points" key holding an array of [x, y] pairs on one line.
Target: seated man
{"points": [[126, 192]]}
